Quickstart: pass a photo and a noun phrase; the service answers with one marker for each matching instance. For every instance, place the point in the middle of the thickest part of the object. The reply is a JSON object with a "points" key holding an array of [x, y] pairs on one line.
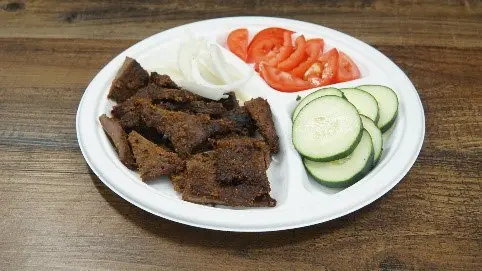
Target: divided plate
{"points": [[301, 200]]}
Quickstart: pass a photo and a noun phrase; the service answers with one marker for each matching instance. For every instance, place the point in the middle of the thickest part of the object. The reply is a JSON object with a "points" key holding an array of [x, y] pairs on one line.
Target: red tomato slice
{"points": [[238, 42], [296, 57], [258, 51], [314, 47], [282, 81], [347, 69], [265, 41], [284, 52], [325, 70]]}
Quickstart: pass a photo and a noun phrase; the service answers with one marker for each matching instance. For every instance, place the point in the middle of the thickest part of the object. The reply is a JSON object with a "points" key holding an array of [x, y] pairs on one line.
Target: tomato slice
{"points": [[265, 41], [324, 71], [347, 69], [238, 42], [284, 52], [314, 47], [296, 57], [281, 80]]}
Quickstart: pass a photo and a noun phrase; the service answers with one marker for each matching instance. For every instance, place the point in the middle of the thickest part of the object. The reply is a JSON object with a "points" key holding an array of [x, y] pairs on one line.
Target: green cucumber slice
{"points": [[387, 103], [376, 136], [326, 129], [310, 97], [346, 171], [363, 101]]}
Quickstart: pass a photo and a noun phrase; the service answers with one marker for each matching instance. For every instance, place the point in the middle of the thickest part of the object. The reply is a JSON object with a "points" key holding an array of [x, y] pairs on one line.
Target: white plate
{"points": [[301, 201]]}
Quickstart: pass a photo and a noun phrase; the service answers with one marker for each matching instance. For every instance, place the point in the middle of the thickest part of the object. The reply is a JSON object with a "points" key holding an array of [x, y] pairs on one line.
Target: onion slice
{"points": [[219, 63], [196, 75], [205, 71], [201, 90]]}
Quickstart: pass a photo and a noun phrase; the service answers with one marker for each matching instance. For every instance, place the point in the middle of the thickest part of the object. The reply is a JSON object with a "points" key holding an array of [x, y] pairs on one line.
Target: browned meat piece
{"points": [[246, 143], [187, 133], [162, 80], [152, 160], [158, 94], [177, 98], [242, 160], [230, 102], [130, 78], [130, 120], [244, 195], [209, 108], [119, 139], [261, 113], [242, 121], [199, 184]]}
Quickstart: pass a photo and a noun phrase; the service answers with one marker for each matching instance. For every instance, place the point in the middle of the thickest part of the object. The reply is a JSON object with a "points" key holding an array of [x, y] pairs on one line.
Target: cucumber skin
{"points": [[294, 110], [343, 184], [378, 112], [375, 162], [337, 156], [389, 125]]}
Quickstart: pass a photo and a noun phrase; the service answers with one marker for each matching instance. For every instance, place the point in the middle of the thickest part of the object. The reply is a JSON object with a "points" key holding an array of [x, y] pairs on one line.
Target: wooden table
{"points": [[57, 215]]}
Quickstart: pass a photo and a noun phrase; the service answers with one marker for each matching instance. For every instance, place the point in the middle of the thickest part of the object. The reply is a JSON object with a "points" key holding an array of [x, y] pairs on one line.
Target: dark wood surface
{"points": [[56, 214]]}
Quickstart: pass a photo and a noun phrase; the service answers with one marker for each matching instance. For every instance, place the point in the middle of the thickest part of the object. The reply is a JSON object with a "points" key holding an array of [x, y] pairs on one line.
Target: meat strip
{"points": [[153, 160], [162, 80], [242, 160], [198, 183], [119, 139], [260, 111], [130, 78], [187, 133]]}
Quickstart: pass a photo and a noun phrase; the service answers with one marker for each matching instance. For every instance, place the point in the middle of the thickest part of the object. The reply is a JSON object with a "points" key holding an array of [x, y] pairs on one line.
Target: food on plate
{"points": [[261, 114], [266, 41], [364, 102], [346, 171], [205, 71], [238, 42], [326, 129], [324, 71], [288, 66], [128, 80], [282, 81], [214, 151], [233, 174], [314, 48], [153, 160], [387, 102], [376, 136], [119, 139], [314, 95], [338, 142], [347, 69], [188, 133]]}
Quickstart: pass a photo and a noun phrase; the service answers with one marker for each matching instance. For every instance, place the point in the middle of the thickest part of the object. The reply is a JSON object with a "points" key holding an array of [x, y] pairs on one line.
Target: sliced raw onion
{"points": [[201, 90], [198, 78], [205, 71], [187, 51], [219, 63]]}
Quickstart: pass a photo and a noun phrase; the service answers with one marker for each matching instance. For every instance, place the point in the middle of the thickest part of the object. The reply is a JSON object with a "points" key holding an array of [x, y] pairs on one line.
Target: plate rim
{"points": [[364, 202]]}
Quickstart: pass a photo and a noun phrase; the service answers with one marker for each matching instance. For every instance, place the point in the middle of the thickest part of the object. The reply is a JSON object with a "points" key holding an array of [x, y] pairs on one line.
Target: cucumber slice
{"points": [[376, 136], [310, 97], [363, 101], [387, 103], [327, 129], [346, 171]]}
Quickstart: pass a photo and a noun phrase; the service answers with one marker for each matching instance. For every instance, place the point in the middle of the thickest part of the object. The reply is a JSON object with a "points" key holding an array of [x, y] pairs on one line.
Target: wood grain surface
{"points": [[56, 214]]}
